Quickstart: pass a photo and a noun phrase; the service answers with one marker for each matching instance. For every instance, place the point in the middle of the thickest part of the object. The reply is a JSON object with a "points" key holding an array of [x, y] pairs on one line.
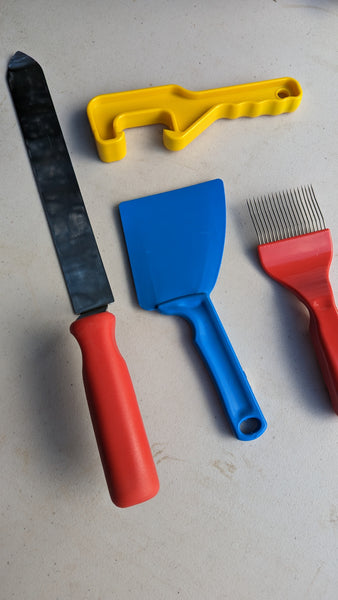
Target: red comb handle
{"points": [[324, 332], [302, 265], [125, 453]]}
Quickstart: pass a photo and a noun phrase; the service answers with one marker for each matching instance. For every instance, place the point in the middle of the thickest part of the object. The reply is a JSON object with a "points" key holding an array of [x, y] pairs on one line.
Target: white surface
{"points": [[232, 520]]}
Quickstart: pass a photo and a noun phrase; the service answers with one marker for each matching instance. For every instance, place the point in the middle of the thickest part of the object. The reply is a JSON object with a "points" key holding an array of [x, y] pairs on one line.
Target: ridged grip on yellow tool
{"points": [[184, 113]]}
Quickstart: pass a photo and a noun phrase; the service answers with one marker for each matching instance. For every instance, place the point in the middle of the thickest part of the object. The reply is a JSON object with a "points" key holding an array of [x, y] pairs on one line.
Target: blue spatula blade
{"points": [[175, 241]]}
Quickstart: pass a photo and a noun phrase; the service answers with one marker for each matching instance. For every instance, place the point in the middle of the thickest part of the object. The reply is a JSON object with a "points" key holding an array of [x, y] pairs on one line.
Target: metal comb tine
{"points": [[270, 220], [303, 211], [264, 220], [318, 209], [298, 210], [280, 216], [281, 221], [259, 226], [287, 215], [312, 220], [271, 216], [296, 221], [283, 203], [273, 221], [312, 223], [254, 219], [259, 220], [275, 224], [318, 215]]}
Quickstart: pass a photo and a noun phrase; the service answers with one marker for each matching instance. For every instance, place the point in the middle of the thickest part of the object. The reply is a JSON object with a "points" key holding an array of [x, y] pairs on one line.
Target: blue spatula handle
{"points": [[213, 343]]}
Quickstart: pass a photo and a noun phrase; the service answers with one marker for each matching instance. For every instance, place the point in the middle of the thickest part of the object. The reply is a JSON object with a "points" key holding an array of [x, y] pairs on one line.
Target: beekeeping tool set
{"points": [[175, 244]]}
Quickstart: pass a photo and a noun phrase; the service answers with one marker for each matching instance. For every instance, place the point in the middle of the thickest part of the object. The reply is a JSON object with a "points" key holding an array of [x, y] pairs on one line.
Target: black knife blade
{"points": [[122, 441], [62, 201]]}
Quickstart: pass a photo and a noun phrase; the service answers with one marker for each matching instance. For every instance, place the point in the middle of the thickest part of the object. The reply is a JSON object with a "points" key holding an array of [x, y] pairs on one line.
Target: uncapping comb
{"points": [[295, 249]]}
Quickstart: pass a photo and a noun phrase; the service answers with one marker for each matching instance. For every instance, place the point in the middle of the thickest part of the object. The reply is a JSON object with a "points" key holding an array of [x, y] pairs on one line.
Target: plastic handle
{"points": [[324, 333], [125, 453], [237, 397]]}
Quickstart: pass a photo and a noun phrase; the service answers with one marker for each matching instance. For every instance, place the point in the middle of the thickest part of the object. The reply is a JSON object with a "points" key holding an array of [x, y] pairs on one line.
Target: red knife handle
{"points": [[124, 448]]}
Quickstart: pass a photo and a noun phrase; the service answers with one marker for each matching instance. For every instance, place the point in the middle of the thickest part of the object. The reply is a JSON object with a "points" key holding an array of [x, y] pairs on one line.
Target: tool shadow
{"points": [[57, 409], [82, 140]]}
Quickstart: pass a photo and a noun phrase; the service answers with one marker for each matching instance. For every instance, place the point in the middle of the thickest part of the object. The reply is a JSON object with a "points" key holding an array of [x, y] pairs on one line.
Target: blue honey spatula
{"points": [[175, 244]]}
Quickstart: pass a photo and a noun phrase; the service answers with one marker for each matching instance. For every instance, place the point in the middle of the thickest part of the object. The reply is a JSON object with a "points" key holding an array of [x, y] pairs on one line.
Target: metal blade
{"points": [[74, 241]]}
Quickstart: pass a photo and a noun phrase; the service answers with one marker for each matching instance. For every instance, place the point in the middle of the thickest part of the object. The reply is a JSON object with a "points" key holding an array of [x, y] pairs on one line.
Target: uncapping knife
{"points": [[125, 452]]}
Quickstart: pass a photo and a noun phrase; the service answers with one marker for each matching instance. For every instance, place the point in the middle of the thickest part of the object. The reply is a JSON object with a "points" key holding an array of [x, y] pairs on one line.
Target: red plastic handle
{"points": [[124, 448], [324, 333]]}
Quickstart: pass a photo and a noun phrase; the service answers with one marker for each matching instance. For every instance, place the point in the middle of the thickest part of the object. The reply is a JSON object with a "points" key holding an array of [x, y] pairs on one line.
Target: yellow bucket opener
{"points": [[185, 113]]}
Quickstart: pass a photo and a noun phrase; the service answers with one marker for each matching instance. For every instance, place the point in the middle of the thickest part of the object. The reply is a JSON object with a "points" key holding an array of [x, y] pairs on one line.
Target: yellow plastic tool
{"points": [[185, 113]]}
